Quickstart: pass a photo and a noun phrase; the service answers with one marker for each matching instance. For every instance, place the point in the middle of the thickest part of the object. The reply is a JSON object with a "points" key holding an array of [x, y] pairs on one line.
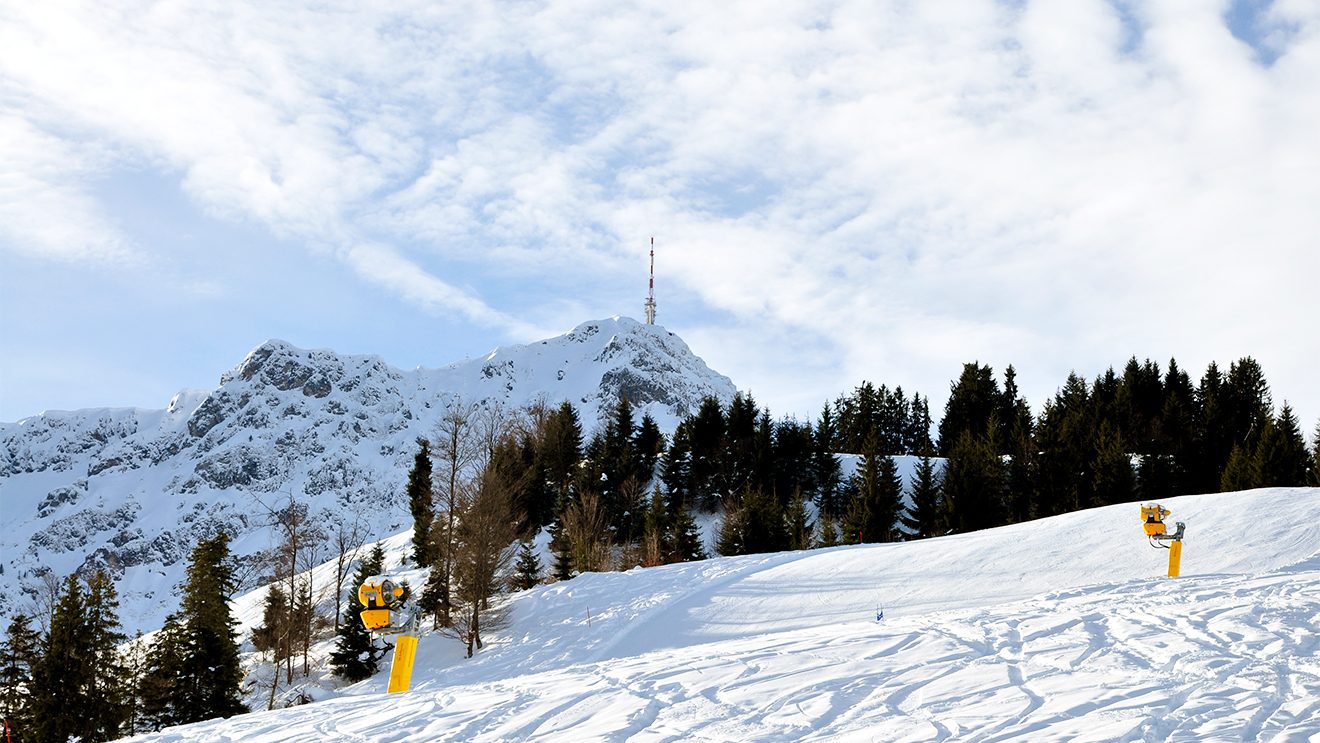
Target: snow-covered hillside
{"points": [[1062, 629], [131, 491]]}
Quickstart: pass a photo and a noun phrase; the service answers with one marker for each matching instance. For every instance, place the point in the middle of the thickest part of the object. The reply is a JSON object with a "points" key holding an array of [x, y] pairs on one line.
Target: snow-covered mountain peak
{"points": [[129, 490]]}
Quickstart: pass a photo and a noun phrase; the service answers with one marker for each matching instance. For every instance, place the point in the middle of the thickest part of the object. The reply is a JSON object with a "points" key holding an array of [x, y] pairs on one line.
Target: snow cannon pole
{"points": [[1175, 558], [405, 652]]}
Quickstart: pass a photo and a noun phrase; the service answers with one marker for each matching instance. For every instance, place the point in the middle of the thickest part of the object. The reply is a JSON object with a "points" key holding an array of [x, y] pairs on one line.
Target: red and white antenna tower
{"points": [[650, 294]]}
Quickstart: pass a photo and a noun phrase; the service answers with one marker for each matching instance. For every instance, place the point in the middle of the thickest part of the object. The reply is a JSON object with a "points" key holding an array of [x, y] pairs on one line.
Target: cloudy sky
{"points": [[839, 191]]}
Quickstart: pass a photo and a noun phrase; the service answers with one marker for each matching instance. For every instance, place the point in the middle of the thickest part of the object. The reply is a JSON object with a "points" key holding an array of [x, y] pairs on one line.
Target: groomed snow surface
{"points": [[1063, 629]]}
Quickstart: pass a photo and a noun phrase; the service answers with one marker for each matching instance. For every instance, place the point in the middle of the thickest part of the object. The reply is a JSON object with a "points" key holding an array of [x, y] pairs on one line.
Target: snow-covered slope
{"points": [[1059, 629], [132, 490]]}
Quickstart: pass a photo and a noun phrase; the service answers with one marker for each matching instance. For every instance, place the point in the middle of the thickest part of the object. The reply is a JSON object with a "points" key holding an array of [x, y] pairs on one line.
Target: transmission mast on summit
{"points": [[650, 294]]}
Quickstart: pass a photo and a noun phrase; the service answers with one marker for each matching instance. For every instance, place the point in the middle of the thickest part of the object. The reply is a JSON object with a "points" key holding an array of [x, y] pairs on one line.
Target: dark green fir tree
{"points": [[527, 569], [80, 685], [212, 676], [798, 524], [18, 656], [160, 689], [422, 505], [1281, 457], [356, 655], [922, 517]]}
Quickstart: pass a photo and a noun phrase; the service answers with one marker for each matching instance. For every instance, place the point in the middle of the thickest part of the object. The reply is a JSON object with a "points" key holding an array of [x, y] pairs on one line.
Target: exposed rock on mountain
{"points": [[130, 491]]}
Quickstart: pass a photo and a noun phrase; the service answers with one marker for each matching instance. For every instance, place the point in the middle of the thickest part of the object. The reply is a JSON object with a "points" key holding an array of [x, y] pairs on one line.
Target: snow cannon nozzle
{"points": [[1157, 533], [382, 599]]}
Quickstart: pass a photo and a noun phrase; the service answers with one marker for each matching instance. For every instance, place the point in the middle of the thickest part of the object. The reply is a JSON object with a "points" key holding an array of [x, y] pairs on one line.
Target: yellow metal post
{"points": [[1175, 557], [405, 650]]}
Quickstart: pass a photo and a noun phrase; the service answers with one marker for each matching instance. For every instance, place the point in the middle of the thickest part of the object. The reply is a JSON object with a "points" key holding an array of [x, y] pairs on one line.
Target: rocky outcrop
{"points": [[130, 491]]}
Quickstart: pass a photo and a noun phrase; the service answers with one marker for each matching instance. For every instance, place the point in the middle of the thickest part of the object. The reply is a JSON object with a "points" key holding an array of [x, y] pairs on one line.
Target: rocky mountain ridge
{"points": [[131, 490]]}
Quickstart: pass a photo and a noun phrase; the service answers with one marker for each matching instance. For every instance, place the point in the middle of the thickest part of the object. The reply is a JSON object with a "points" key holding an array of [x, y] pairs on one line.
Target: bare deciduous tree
{"points": [[457, 453], [486, 531], [346, 541], [586, 526]]}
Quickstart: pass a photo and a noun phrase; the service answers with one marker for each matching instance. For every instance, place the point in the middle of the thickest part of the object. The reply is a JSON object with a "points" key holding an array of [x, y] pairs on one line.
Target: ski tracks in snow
{"points": [[1219, 657]]}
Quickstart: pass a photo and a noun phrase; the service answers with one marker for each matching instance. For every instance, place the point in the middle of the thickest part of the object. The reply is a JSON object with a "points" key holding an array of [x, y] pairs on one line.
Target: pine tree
{"points": [[1239, 472], [825, 466], [676, 470], [160, 688], [686, 538], [1280, 458], [656, 540], [797, 522], [1115, 481], [107, 712], [1315, 457], [973, 406], [422, 505], [707, 484], [649, 444], [827, 535], [875, 506], [527, 569], [212, 675], [79, 686], [274, 634], [922, 518], [729, 541], [973, 485], [560, 454], [19, 654], [356, 655], [562, 549]]}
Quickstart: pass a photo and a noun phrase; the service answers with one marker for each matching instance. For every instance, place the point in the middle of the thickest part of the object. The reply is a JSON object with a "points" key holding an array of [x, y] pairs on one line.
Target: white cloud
{"points": [[915, 184]]}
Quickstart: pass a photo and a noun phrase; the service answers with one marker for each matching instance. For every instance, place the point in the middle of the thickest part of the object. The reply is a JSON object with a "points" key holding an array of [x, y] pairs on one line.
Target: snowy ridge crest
{"points": [[128, 490]]}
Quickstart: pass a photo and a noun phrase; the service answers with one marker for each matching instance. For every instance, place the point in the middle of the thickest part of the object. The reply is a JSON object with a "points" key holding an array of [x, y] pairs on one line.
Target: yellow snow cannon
{"points": [[382, 598], [1158, 534]]}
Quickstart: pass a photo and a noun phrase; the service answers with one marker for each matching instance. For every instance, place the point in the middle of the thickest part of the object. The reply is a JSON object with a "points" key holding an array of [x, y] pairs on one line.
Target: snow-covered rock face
{"points": [[131, 491]]}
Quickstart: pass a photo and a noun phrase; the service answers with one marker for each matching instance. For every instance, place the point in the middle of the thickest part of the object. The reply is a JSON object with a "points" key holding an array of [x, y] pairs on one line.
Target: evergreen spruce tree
{"points": [[274, 634], [706, 440], [1177, 431], [825, 465], [685, 537], [827, 534], [797, 522], [1156, 477], [160, 688], [18, 656], [356, 655], [212, 676], [657, 543], [1239, 472], [730, 540], [649, 444], [1115, 481], [762, 522], [676, 471], [1315, 457], [527, 570], [562, 549], [973, 485], [974, 404], [1280, 458], [875, 506], [559, 455], [922, 518], [110, 694], [422, 505], [79, 686]]}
